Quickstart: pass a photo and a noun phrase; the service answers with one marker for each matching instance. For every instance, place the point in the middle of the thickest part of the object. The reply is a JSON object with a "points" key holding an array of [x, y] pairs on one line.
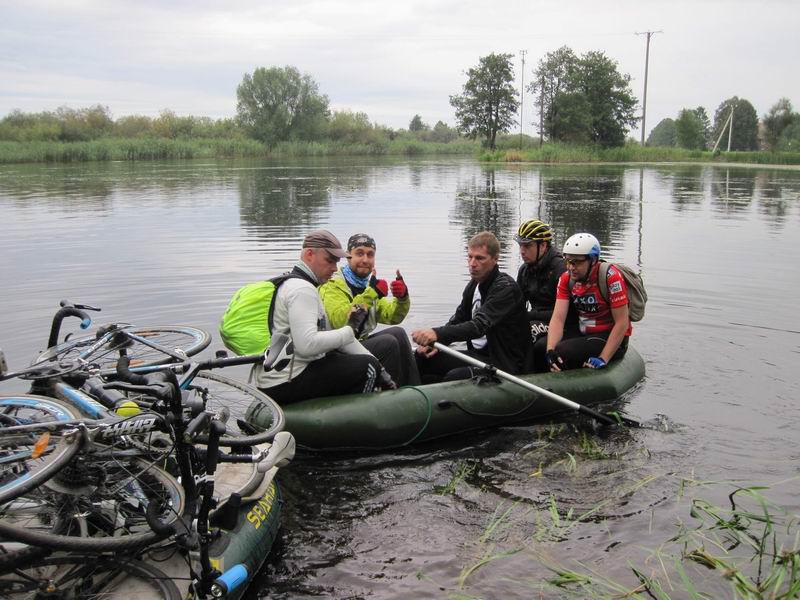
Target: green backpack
{"points": [[637, 295], [247, 323]]}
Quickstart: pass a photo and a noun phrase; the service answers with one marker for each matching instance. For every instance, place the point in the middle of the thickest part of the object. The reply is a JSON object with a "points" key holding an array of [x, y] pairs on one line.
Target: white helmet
{"points": [[582, 243]]}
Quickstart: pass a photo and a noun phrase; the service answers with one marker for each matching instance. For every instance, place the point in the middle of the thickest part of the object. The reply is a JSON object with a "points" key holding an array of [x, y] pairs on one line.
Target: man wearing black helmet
{"points": [[539, 273], [538, 278]]}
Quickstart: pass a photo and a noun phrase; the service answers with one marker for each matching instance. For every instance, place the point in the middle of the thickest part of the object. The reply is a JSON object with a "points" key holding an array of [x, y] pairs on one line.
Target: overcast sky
{"points": [[390, 59]]}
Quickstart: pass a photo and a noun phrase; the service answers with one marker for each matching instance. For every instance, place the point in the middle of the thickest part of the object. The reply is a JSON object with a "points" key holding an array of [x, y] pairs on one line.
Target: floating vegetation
{"points": [[463, 470], [746, 548]]}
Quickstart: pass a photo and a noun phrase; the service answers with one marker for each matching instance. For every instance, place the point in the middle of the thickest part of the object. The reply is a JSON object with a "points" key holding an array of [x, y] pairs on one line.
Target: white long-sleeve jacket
{"points": [[300, 314]]}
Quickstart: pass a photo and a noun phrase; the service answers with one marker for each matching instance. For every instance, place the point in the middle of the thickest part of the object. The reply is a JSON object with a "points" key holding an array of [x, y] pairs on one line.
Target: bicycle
{"points": [[196, 534], [144, 345], [25, 467], [70, 361], [34, 575]]}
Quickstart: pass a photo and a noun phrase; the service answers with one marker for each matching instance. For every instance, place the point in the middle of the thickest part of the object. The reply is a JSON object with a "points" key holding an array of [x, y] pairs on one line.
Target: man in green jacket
{"points": [[356, 284]]}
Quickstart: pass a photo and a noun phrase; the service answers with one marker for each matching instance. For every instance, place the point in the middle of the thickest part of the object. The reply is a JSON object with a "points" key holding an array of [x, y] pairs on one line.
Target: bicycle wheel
{"points": [[85, 576], [28, 459], [220, 392], [94, 504], [180, 339]]}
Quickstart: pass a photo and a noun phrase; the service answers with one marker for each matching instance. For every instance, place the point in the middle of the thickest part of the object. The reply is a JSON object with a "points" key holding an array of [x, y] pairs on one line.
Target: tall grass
{"points": [[163, 148], [127, 149], [567, 153], [749, 546]]}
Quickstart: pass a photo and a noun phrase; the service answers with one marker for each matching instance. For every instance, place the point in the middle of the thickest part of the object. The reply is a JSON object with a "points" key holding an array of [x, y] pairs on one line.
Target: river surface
{"points": [[492, 514]]}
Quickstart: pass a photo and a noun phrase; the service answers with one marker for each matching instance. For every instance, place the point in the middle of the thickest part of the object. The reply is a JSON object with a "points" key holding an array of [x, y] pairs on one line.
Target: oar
{"points": [[605, 419]]}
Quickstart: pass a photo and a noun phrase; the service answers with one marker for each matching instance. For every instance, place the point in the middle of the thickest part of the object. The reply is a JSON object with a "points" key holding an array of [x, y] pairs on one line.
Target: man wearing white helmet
{"points": [[604, 326]]}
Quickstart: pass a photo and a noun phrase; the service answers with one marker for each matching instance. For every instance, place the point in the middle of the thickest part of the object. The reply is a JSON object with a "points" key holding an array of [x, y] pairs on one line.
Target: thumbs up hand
{"points": [[399, 289]]}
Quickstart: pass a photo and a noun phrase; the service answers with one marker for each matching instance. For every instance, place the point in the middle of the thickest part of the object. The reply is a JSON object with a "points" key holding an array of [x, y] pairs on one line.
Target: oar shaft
{"points": [[508, 376], [521, 382]]}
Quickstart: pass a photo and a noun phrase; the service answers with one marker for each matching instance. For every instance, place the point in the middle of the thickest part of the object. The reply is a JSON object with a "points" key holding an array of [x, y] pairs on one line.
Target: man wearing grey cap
{"points": [[317, 361]]}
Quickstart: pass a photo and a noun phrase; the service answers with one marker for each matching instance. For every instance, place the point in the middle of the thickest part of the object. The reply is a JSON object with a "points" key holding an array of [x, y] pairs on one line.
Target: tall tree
{"points": [[554, 75], [611, 100], [745, 124], [689, 130], [607, 103], [441, 132], [663, 134], [279, 104], [570, 118], [790, 136], [488, 101], [702, 116], [417, 124], [776, 120]]}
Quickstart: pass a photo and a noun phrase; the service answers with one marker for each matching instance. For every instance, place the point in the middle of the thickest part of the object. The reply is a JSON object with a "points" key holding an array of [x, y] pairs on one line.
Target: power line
{"points": [[649, 34]]}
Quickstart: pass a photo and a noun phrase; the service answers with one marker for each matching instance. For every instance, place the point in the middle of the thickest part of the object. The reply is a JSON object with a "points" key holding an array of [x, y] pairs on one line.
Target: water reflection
{"points": [[595, 200], [482, 205], [292, 202], [169, 243]]}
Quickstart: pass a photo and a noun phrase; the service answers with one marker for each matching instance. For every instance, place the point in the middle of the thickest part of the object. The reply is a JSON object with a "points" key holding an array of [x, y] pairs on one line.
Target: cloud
{"points": [[389, 59]]}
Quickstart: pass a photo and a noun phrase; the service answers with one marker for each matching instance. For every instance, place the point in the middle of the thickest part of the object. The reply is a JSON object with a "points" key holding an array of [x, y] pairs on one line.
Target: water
{"points": [[168, 242]]}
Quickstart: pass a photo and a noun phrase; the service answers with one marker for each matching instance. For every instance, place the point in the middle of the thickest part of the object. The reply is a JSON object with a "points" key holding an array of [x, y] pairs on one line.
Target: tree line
{"points": [[692, 129], [276, 104], [581, 99]]}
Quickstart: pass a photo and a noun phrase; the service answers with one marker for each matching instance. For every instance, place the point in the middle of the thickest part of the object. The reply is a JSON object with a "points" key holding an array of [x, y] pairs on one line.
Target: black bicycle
{"points": [[190, 529], [77, 480]]}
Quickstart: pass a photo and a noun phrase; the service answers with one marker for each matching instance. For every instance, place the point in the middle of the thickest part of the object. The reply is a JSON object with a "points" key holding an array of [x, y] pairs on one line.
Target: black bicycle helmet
{"points": [[534, 230]]}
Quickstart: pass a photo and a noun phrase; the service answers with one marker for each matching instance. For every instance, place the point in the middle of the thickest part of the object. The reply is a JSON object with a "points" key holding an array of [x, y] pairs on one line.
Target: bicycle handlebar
{"points": [[160, 384], [67, 310]]}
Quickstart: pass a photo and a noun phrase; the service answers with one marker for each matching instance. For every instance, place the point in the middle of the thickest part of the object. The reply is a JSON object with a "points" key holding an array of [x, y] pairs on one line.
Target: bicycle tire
{"points": [[87, 576], [240, 398], [95, 507], [19, 471], [184, 339]]}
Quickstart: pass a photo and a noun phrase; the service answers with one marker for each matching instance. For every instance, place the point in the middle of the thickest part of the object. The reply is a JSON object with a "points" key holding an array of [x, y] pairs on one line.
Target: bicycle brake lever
{"points": [[87, 307]]}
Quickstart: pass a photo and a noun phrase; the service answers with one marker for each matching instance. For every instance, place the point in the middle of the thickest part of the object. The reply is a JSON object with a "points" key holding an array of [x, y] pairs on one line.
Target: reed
{"points": [[566, 153], [163, 148], [128, 149], [748, 546], [464, 469]]}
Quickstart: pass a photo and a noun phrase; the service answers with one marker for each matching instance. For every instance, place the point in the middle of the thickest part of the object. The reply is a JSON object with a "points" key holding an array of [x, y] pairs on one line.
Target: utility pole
{"points": [[541, 113], [730, 130], [522, 97], [649, 34]]}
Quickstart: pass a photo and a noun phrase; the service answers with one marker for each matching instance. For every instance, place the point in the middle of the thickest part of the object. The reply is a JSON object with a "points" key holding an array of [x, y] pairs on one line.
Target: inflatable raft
{"points": [[415, 414]]}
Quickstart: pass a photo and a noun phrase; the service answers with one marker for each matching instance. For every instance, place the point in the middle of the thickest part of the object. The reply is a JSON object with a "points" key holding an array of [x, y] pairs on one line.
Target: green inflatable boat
{"points": [[410, 415]]}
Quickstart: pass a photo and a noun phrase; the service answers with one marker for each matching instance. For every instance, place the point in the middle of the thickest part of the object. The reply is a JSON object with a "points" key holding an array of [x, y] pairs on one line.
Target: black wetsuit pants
{"points": [[576, 349], [334, 374], [392, 347], [445, 367]]}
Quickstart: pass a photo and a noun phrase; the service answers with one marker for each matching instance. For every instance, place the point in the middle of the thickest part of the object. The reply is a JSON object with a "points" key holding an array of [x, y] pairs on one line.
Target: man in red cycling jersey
{"points": [[604, 325]]}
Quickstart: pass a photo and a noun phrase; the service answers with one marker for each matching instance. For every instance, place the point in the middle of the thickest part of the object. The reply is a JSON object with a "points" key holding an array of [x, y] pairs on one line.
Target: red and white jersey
{"points": [[594, 313]]}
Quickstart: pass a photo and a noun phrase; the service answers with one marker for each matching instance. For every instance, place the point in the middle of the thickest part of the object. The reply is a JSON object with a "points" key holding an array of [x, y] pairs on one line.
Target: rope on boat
{"points": [[427, 420]]}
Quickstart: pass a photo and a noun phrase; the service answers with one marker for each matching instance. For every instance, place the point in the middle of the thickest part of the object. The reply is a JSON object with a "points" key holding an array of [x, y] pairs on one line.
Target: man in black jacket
{"points": [[538, 278], [491, 319]]}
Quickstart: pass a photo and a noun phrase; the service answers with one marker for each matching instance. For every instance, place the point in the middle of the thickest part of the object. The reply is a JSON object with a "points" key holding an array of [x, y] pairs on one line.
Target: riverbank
{"points": [[161, 148], [563, 153], [122, 149]]}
